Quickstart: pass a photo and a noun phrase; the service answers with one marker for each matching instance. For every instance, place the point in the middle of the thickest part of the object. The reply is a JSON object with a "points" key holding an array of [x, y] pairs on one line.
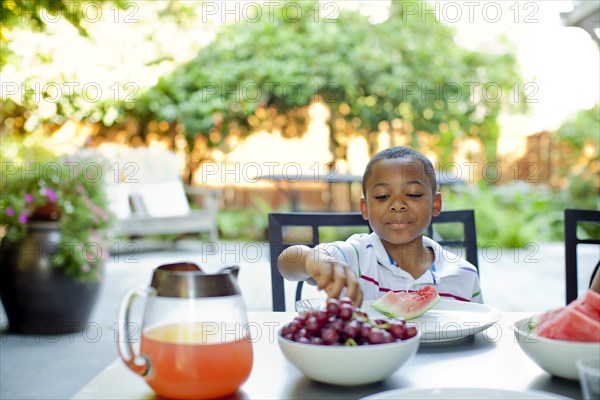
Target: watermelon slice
{"points": [[578, 321], [590, 304], [573, 325], [407, 305]]}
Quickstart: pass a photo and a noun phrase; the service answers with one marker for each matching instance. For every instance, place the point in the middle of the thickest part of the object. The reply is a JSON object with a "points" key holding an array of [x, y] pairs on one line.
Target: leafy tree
{"points": [[35, 15], [45, 85], [403, 69], [578, 161], [16, 15]]}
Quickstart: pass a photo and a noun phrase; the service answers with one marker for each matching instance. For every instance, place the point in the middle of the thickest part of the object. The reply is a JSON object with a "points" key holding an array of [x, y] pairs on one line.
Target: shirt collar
{"points": [[439, 269], [444, 262]]}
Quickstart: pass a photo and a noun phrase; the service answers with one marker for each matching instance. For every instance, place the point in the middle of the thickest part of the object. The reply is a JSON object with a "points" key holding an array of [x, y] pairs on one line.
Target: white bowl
{"points": [[349, 365], [557, 357]]}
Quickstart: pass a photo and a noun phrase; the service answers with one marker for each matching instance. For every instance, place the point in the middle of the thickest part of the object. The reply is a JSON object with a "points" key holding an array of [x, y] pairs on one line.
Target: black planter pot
{"points": [[37, 297]]}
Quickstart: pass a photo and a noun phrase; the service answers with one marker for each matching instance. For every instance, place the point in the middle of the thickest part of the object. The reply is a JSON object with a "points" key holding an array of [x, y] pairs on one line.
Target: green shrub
{"points": [[245, 223], [511, 215]]}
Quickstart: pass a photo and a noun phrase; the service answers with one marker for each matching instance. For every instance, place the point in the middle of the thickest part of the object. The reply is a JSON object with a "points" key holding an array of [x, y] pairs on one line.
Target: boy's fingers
{"points": [[338, 280], [333, 277], [359, 299], [323, 277], [352, 287], [331, 287]]}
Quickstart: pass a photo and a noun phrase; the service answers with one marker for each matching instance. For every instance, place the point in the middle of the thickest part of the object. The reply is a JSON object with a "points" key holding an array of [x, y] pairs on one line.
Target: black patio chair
{"points": [[279, 221], [573, 217]]}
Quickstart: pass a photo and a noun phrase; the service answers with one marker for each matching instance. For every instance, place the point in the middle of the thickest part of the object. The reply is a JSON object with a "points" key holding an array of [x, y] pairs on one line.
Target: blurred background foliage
{"points": [[511, 215], [261, 74], [403, 71], [578, 141], [35, 15]]}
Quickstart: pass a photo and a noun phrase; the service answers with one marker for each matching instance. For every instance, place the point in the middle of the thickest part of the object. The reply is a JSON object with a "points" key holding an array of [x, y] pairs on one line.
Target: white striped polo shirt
{"points": [[452, 276]]}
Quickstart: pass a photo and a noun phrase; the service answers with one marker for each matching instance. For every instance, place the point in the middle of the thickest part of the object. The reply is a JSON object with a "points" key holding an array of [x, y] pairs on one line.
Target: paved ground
{"points": [[34, 367]]}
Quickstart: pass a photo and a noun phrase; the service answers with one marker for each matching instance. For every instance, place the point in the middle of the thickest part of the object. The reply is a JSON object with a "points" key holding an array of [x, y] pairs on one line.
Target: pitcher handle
{"points": [[137, 363]]}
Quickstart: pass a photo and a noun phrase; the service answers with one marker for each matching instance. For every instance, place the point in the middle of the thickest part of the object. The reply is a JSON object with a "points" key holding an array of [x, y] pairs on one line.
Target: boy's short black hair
{"points": [[401, 152]]}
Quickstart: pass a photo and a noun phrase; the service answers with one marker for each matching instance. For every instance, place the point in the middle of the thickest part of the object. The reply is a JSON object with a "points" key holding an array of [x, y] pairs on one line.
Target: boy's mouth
{"points": [[398, 224]]}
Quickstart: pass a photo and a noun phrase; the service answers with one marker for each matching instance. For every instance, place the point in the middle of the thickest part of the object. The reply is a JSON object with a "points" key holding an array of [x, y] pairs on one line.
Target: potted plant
{"points": [[54, 235]]}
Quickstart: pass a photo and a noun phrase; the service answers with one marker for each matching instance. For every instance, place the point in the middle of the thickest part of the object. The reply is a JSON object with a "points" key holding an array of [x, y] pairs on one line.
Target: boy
{"points": [[400, 197]]}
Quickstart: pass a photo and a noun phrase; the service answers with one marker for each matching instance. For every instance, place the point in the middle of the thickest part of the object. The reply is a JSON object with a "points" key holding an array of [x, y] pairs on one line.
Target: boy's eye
{"points": [[381, 197], [415, 195]]}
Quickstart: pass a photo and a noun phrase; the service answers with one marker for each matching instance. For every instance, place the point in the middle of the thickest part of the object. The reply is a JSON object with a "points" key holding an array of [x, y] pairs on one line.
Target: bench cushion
{"points": [[165, 199]]}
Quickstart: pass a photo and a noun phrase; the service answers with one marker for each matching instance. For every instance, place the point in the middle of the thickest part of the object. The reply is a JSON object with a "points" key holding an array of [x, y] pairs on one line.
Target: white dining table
{"points": [[491, 359]]}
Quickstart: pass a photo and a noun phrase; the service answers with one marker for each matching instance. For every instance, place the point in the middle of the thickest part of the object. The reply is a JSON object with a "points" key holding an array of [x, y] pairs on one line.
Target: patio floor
{"points": [[56, 367]]}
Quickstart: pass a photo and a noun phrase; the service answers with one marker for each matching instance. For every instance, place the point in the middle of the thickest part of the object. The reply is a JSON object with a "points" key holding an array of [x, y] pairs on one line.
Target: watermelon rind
{"points": [[384, 312]]}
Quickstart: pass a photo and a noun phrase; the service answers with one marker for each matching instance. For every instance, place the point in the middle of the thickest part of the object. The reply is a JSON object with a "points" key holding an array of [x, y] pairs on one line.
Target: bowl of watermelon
{"points": [[340, 344], [555, 339]]}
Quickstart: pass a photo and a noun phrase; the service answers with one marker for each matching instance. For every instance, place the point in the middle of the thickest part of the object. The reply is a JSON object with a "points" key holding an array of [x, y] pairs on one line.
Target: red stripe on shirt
{"points": [[455, 297]]}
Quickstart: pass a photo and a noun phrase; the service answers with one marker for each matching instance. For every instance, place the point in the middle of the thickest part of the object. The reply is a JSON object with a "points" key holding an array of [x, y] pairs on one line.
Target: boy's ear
{"points": [[363, 209], [437, 204]]}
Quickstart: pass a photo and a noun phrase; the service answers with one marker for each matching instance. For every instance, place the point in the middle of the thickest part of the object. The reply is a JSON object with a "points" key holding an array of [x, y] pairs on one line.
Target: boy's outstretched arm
{"points": [[301, 263]]}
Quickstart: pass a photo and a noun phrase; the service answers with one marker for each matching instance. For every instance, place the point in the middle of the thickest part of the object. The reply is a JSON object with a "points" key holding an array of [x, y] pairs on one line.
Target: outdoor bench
{"points": [[148, 197]]}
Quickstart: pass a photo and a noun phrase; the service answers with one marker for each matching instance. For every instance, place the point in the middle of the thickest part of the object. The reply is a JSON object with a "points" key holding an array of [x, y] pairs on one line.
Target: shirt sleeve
{"points": [[477, 297], [345, 252]]}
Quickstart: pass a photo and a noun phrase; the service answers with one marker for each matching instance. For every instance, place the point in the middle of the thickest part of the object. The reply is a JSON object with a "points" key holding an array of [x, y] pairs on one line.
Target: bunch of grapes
{"points": [[340, 323]]}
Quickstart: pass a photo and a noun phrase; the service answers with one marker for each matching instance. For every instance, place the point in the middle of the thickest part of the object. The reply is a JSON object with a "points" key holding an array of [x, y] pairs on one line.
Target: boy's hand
{"points": [[333, 276]]}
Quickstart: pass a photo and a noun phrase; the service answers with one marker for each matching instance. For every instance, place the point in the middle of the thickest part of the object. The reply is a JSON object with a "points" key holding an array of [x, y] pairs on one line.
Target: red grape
{"points": [[300, 319], [376, 336], [302, 333], [316, 340], [411, 331], [293, 327], [352, 329], [388, 337], [329, 335], [332, 306], [321, 316], [398, 329], [312, 325], [346, 311], [365, 330], [346, 300], [336, 324]]}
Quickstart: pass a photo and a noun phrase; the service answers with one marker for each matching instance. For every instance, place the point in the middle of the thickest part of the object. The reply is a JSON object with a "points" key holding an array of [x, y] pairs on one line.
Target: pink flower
{"points": [[10, 212], [51, 195], [28, 198], [85, 268], [23, 218], [95, 209]]}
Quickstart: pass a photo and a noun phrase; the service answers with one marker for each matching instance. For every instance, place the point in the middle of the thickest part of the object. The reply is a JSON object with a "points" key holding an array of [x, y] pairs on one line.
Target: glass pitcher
{"points": [[194, 335]]}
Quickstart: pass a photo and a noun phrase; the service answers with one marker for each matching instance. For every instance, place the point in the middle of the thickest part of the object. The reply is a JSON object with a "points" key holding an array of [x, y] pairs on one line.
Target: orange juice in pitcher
{"points": [[197, 356]]}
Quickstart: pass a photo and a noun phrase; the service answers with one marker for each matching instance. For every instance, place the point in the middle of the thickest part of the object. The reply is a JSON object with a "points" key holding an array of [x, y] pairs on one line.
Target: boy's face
{"points": [[399, 200]]}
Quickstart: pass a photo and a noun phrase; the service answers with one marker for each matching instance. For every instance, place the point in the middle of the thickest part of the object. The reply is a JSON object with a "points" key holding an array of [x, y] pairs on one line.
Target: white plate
{"points": [[449, 320], [462, 394]]}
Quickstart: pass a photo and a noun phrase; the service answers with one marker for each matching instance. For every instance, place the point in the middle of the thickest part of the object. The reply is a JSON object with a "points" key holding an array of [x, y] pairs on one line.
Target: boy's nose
{"points": [[398, 205]]}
